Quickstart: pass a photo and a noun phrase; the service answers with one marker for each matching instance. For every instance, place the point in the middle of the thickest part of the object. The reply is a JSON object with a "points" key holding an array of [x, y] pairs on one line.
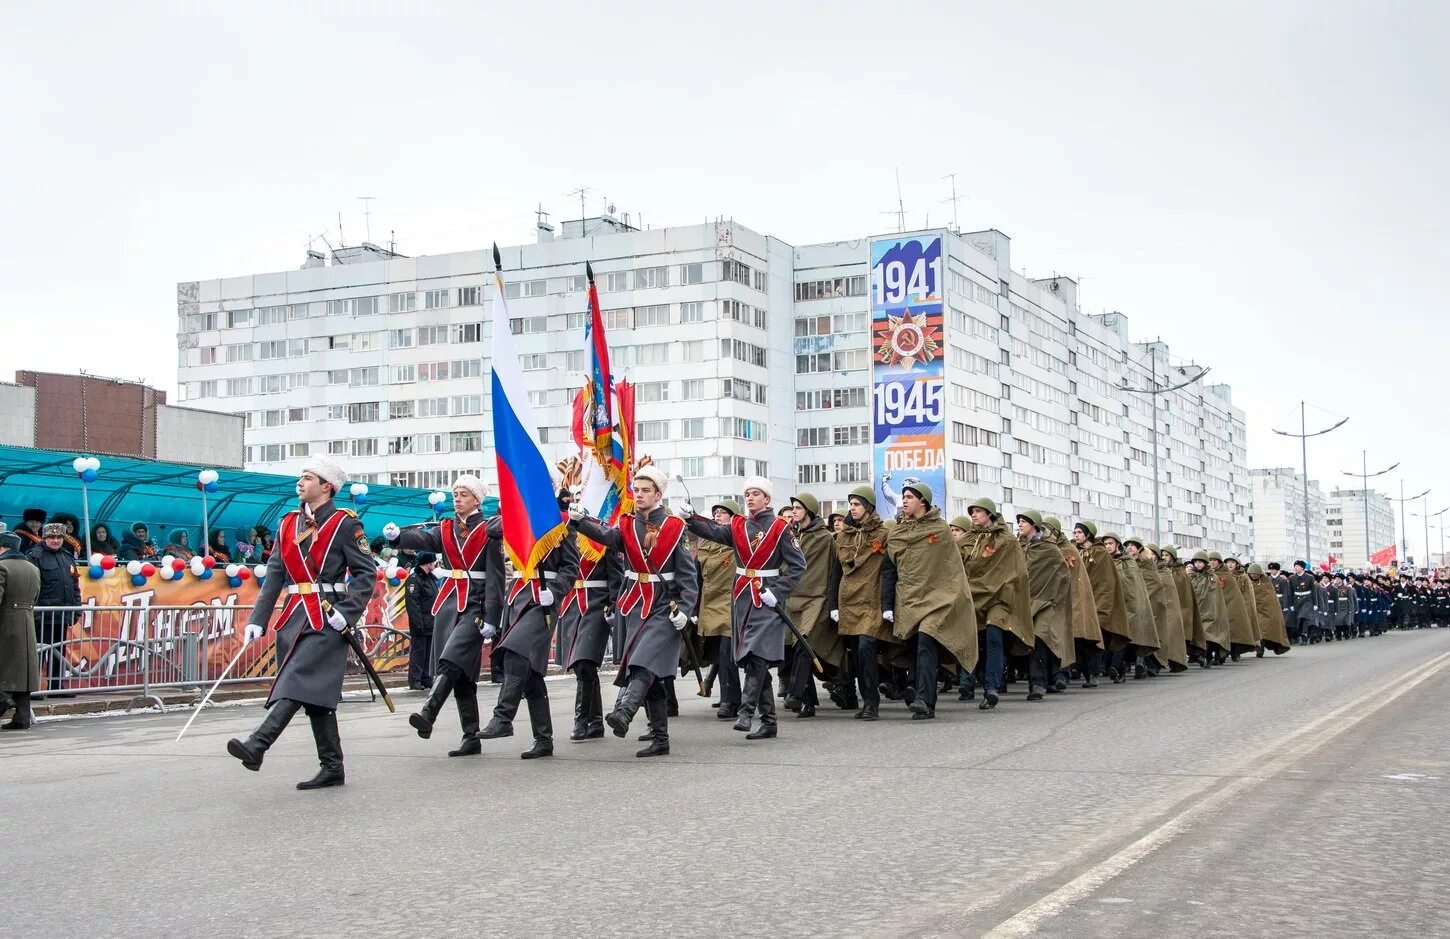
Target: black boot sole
{"points": [[470, 748], [988, 703], [654, 751], [327, 783], [485, 734], [421, 724], [617, 725], [237, 749], [762, 734], [536, 754]]}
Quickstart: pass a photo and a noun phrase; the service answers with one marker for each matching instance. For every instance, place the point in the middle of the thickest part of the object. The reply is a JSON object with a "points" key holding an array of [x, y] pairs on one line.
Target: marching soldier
{"points": [[1108, 600], [1240, 627], [1212, 610], [997, 573], [768, 563], [323, 563], [584, 626], [925, 594], [661, 584], [810, 609], [1140, 611], [467, 608], [858, 604], [1302, 589], [717, 577], [1172, 647], [1087, 637], [521, 650], [1049, 583], [1238, 577], [1193, 634], [1271, 617]]}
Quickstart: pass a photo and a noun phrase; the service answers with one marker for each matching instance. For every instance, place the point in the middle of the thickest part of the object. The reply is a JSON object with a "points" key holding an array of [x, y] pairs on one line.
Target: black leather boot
{"points": [[625, 708], [542, 724], [24, 718], [329, 751], [509, 695], [659, 728], [594, 705], [468, 717], [750, 697], [581, 711], [422, 721], [768, 726], [251, 750]]}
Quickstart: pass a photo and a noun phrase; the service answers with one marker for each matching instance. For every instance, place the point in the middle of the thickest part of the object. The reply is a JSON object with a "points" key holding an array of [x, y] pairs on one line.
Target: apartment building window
{"points": [[205, 389], [651, 391], [400, 338], [616, 281], [402, 302], [692, 273], [657, 315], [692, 428], [470, 296], [692, 389], [693, 351], [238, 318], [362, 377], [692, 312], [737, 388], [363, 412], [436, 299], [363, 446], [400, 445], [762, 468], [432, 407], [760, 281], [521, 325], [468, 332], [810, 474], [400, 409], [815, 362], [692, 467], [239, 353], [617, 319], [299, 449], [465, 405], [655, 353], [858, 472], [297, 311], [965, 472], [428, 443], [850, 435], [733, 270], [849, 360], [296, 347], [432, 335], [574, 360], [208, 355], [238, 387], [832, 288], [813, 437], [732, 466], [465, 441], [649, 277], [270, 453], [651, 431], [337, 447], [533, 362]]}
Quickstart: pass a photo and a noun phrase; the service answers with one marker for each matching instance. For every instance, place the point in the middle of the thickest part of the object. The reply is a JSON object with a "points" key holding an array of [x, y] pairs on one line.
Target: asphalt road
{"points": [[1298, 795]]}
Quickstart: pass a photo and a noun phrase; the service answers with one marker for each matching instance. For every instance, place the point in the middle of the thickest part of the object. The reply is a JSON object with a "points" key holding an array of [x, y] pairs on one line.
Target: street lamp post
{"points": [[1154, 392], [1365, 477], [1404, 532], [1440, 527], [1304, 436]]}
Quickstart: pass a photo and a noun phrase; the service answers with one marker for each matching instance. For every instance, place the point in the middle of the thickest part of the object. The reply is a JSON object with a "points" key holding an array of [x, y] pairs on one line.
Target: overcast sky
{"points": [[1261, 185]]}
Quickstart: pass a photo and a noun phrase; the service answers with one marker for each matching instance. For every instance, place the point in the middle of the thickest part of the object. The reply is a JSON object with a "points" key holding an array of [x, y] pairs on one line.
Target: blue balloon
{"points": [[138, 580], [393, 581], [234, 582], [89, 476], [211, 487], [206, 573], [95, 572], [360, 498]]}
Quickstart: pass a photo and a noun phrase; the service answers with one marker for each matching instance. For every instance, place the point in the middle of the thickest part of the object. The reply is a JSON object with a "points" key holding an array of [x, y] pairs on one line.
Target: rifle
{"points": [[694, 659]]}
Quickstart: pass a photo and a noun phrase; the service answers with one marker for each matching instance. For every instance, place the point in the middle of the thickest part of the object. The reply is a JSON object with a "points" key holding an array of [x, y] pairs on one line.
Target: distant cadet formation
{"points": [[906, 609]]}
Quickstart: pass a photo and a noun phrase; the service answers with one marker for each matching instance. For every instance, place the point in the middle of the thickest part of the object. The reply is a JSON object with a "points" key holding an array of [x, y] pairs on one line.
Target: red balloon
{"points": [[148, 569], [108, 563], [402, 573], [177, 564], [208, 562], [244, 572], [199, 487]]}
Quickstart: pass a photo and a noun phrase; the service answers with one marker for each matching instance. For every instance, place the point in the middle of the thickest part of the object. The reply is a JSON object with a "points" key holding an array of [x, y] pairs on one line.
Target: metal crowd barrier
{"points": [[144, 649]]}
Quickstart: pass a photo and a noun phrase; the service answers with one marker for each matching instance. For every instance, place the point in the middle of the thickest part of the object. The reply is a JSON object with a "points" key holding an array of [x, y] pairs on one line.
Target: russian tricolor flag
{"points": [[532, 522]]}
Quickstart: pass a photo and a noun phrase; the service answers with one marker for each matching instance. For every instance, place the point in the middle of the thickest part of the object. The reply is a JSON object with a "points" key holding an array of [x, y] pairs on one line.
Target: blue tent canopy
{"points": [[164, 496]]}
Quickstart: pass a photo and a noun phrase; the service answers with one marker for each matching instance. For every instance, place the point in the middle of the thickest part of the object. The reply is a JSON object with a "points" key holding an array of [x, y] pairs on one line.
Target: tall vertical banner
{"points": [[908, 388]]}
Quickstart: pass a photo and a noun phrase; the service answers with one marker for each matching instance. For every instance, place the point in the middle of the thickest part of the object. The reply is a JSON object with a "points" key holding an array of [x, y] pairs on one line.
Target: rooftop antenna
{"points": [[341, 238], [367, 215], [540, 216], [581, 192], [392, 241], [956, 227], [900, 206]]}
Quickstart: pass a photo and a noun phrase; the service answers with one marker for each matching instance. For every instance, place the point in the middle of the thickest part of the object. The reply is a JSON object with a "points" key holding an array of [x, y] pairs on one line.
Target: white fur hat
{"points": [[758, 482], [328, 471], [654, 475], [473, 484]]}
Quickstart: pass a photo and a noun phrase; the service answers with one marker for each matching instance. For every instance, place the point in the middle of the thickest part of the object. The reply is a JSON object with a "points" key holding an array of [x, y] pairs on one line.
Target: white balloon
{"points": [[93, 464], [166, 573], [166, 560], [96, 559], [232, 569], [260, 570], [133, 567], [196, 566], [207, 476], [79, 464], [437, 498]]}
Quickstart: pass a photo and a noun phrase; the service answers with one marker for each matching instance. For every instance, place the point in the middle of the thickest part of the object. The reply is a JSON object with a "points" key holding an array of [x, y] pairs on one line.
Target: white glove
{"points": [[335, 620], [695, 620], [889, 615], [767, 598], [609, 617], [252, 633], [835, 616], [685, 510], [546, 597], [391, 531], [679, 619], [576, 512], [487, 631]]}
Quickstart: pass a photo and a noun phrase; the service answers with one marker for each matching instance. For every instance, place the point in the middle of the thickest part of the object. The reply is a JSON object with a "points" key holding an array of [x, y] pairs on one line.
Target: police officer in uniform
{"points": [[319, 547], [1303, 592]]}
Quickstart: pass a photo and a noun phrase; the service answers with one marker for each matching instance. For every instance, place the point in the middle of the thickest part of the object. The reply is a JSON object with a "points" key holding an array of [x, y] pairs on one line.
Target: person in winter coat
{"points": [[19, 665]]}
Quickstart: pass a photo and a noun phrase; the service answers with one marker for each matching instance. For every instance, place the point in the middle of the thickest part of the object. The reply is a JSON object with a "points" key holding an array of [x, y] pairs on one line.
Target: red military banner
{"points": [[1385, 557]]}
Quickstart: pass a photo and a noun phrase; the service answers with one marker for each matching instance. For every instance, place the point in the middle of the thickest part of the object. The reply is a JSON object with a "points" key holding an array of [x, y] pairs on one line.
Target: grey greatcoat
{"points": [[311, 663], [1303, 593], [583, 630], [460, 631], [19, 586], [528, 627], [650, 639], [759, 630]]}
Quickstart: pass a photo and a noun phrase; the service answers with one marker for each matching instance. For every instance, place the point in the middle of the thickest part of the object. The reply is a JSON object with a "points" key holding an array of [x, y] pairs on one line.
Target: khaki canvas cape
{"points": [[717, 579], [1246, 588], [1240, 629], [1271, 615], [1212, 608], [1050, 584], [1140, 610], [1188, 606], [1169, 619], [932, 593], [1084, 609], [997, 571], [861, 550], [1111, 608], [807, 606]]}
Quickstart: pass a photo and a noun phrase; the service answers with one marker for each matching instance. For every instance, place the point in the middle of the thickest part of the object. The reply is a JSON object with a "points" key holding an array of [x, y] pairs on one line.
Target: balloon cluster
{"points": [[172, 568], [436, 500], [359, 492], [206, 480], [236, 573], [88, 468], [392, 573]]}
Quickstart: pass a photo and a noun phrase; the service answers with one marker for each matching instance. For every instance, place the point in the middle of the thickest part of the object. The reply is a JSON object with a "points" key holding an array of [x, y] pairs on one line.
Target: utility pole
{"points": [[1365, 477], [1154, 390], [1304, 436], [1404, 533]]}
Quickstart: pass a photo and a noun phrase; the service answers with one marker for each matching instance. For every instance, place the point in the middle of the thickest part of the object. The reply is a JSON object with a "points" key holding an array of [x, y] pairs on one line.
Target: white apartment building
{"points": [[750, 356], [1279, 518], [1344, 517]]}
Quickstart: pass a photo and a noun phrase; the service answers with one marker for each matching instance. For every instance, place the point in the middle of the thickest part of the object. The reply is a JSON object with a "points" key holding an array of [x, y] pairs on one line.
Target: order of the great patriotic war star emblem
{"points": [[908, 339]]}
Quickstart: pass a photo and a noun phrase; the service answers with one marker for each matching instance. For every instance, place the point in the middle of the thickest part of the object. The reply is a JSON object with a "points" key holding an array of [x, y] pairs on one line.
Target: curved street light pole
{"points": [[1365, 477], [1154, 392], [1404, 533], [1304, 436]]}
